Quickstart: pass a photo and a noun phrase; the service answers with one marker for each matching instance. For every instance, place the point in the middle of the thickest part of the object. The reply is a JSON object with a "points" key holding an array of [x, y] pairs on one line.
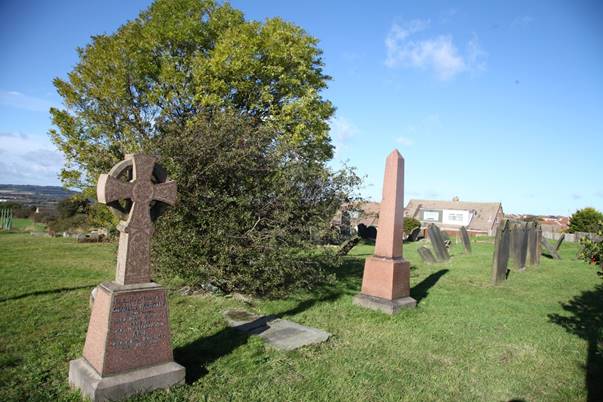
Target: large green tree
{"points": [[234, 110], [180, 58]]}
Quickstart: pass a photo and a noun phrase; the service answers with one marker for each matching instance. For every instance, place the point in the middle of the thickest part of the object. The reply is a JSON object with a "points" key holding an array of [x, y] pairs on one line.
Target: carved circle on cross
{"points": [[124, 171]]}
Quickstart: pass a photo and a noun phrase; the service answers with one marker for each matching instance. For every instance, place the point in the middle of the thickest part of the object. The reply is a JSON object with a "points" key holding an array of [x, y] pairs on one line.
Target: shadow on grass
{"points": [[421, 290], [45, 292], [586, 321], [196, 355]]}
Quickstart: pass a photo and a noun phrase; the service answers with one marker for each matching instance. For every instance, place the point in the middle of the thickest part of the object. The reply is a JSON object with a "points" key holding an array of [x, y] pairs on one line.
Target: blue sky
{"points": [[487, 101]]}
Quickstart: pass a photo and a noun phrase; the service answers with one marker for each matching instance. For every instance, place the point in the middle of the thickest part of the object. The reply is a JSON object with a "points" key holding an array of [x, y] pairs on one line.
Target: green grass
{"points": [[26, 225], [466, 341]]}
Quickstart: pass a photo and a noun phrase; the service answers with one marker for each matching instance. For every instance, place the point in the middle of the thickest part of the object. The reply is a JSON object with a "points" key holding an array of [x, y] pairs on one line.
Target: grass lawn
{"points": [[466, 341], [26, 225]]}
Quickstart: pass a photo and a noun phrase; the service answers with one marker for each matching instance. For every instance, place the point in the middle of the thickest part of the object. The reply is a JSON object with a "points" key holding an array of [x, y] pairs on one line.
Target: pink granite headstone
{"points": [[128, 345], [386, 278]]}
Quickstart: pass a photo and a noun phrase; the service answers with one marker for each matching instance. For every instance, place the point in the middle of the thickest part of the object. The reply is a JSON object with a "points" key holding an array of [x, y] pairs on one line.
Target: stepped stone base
{"points": [[121, 386], [384, 305]]}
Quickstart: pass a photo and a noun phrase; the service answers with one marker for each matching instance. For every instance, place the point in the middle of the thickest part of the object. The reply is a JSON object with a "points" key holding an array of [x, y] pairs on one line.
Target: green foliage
{"points": [[410, 224], [234, 109], [180, 58], [591, 251], [586, 220], [247, 213], [71, 206]]}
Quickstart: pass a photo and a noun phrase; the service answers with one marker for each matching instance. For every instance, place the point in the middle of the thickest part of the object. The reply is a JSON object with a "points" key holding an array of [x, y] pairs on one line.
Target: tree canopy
{"points": [[586, 220], [180, 58], [234, 110]]}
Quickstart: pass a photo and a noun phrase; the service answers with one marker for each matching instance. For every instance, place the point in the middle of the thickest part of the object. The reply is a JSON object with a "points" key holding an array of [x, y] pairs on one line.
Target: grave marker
{"points": [[501, 253], [548, 249], [128, 347], [386, 277], [559, 242], [532, 248], [439, 247], [466, 240], [426, 255]]}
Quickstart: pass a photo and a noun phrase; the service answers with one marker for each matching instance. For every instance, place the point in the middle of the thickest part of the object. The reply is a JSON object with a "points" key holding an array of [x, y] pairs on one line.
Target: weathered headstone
{"points": [[521, 245], [347, 246], [426, 255], [128, 347], [501, 253], [549, 250], [465, 239], [538, 244], [439, 247], [532, 258], [559, 242], [386, 277]]}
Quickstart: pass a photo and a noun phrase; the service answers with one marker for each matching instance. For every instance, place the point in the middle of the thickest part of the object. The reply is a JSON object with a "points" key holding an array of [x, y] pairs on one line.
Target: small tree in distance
{"points": [[586, 220]]}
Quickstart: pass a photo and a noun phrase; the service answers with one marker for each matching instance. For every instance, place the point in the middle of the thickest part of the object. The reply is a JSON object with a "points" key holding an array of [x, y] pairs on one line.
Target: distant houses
{"points": [[480, 218]]}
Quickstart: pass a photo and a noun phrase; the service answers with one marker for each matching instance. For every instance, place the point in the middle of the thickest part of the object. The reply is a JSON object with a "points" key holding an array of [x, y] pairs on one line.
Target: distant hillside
{"points": [[39, 196]]}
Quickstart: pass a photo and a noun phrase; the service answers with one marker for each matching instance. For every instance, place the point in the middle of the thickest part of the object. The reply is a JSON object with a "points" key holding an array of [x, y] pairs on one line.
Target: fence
{"points": [[571, 237]]}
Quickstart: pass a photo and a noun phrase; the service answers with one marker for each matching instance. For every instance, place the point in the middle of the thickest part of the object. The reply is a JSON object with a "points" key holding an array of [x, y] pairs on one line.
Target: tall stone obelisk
{"points": [[386, 278]]}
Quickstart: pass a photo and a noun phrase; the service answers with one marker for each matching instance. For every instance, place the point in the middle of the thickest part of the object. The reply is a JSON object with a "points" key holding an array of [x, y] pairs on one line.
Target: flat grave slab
{"points": [[278, 333]]}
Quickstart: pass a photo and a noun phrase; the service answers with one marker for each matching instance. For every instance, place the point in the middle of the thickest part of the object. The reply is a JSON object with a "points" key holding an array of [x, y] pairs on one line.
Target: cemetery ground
{"points": [[466, 340]]}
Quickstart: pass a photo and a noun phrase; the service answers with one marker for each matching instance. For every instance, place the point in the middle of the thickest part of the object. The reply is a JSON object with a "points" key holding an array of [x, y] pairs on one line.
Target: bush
{"points": [[410, 224], [586, 220], [248, 217], [591, 251]]}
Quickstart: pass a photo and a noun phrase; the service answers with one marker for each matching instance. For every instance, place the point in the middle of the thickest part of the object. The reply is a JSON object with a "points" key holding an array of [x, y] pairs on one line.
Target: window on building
{"points": [[431, 216], [455, 217]]}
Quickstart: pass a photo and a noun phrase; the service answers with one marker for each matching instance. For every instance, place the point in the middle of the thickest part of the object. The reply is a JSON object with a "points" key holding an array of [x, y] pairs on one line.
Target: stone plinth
{"points": [[386, 278], [113, 388], [128, 328], [128, 347]]}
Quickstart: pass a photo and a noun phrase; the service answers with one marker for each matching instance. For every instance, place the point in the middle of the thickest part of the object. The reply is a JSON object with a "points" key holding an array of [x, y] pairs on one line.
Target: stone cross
{"points": [[133, 256]]}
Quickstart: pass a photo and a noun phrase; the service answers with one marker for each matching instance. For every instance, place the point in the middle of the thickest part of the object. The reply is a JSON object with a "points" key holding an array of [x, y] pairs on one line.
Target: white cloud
{"points": [[21, 101], [438, 53], [341, 132], [29, 159], [476, 56], [405, 141]]}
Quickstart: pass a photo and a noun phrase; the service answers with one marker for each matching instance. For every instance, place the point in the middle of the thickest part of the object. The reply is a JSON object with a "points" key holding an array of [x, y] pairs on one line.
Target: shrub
{"points": [[586, 220], [591, 251], [248, 217], [410, 224]]}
